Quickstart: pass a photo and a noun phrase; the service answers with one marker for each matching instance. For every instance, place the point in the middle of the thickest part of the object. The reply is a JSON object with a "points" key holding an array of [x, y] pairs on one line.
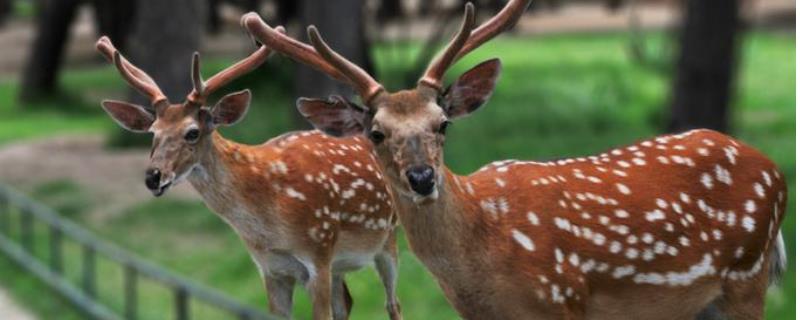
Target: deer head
{"points": [[180, 131], [407, 127]]}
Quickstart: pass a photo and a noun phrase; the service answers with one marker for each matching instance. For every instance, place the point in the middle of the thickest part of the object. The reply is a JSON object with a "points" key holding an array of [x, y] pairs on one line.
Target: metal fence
{"points": [[83, 295]]}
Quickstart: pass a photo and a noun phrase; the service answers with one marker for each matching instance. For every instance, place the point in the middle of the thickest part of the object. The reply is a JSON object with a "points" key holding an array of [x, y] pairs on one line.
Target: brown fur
{"points": [[310, 208], [466, 237], [249, 187]]}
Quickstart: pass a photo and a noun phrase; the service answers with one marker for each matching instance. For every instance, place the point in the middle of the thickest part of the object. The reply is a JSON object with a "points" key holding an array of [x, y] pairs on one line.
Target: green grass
{"points": [[67, 113], [558, 96]]}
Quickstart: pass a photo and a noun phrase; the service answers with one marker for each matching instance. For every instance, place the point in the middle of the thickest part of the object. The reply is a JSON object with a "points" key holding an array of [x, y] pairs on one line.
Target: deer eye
{"points": [[376, 136], [443, 127], [192, 135]]}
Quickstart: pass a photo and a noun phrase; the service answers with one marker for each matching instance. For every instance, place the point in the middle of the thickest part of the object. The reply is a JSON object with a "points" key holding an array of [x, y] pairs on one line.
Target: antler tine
{"points": [[502, 21], [465, 41], [292, 48], [202, 89], [314, 57], [367, 87], [137, 78], [433, 75], [197, 81]]}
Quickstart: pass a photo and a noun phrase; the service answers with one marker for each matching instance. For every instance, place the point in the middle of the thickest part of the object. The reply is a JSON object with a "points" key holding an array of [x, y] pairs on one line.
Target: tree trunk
{"points": [[705, 66], [52, 32], [114, 19], [5, 11], [341, 24], [165, 34]]}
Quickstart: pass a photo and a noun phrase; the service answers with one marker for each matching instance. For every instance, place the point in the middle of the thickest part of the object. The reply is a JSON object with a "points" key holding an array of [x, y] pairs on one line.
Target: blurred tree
{"points": [[286, 11], [53, 21], [705, 67], [388, 9], [342, 26], [214, 20], [165, 34], [5, 10], [114, 19]]}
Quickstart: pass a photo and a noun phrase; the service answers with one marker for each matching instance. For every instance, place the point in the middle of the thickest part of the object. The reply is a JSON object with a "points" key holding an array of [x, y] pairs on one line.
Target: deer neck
{"points": [[215, 176], [437, 231]]}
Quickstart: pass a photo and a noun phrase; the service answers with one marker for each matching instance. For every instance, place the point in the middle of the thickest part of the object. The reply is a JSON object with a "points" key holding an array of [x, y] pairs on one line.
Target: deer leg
{"points": [[744, 299], [280, 290], [342, 301], [319, 287], [711, 312], [386, 264]]}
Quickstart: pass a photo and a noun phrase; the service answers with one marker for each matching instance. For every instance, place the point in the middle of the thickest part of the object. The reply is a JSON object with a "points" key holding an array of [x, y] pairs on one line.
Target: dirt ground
{"points": [[10, 310], [113, 179]]}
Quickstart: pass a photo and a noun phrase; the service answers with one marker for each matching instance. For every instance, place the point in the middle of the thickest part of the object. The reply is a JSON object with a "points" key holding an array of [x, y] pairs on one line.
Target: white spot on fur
{"points": [[623, 188], [723, 175], [295, 194], [654, 215], [707, 181], [767, 178], [615, 247], [748, 223], [759, 189], [701, 269], [533, 218], [620, 272], [523, 240], [750, 206]]}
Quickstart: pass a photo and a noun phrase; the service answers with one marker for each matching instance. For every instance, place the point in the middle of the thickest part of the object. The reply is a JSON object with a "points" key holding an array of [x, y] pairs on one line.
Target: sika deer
{"points": [[308, 207], [657, 230]]}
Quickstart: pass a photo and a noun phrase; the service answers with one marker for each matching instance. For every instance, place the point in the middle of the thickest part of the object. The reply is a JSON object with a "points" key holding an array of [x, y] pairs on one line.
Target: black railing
{"points": [[84, 295]]}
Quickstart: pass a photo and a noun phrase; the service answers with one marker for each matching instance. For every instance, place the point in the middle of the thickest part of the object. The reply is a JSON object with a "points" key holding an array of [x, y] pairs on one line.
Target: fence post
{"points": [[5, 213], [26, 229], [181, 304], [131, 302], [89, 270], [244, 315], [56, 256]]}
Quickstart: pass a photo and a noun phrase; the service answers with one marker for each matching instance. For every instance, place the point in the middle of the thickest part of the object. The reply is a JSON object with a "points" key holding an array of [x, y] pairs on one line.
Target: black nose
{"points": [[421, 179], [152, 178]]}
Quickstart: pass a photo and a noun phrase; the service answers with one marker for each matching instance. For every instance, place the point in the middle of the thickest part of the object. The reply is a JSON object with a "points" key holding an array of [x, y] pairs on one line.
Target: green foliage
{"points": [[559, 96], [23, 8]]}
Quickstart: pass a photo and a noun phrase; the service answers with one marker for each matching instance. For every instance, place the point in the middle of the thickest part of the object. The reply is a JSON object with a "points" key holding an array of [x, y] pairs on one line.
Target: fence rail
{"points": [[84, 296]]}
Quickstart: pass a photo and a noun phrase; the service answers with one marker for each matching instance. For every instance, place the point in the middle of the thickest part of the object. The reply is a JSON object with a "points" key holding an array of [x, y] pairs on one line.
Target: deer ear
{"points": [[336, 116], [231, 108], [472, 89], [132, 117]]}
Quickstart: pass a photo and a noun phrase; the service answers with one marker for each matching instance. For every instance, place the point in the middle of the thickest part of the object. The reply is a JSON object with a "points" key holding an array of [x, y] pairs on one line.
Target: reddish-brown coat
{"points": [[312, 179], [574, 232]]}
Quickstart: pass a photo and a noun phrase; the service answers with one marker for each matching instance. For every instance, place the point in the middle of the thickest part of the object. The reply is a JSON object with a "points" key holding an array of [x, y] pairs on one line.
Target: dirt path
{"points": [[10, 310], [113, 180]]}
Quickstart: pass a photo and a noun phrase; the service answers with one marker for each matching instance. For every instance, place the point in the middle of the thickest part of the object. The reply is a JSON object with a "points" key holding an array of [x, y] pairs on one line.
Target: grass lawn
{"points": [[559, 96]]}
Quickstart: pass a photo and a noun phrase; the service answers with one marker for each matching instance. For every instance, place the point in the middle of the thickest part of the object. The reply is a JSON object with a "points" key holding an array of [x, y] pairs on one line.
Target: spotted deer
{"points": [[662, 229], [309, 208]]}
